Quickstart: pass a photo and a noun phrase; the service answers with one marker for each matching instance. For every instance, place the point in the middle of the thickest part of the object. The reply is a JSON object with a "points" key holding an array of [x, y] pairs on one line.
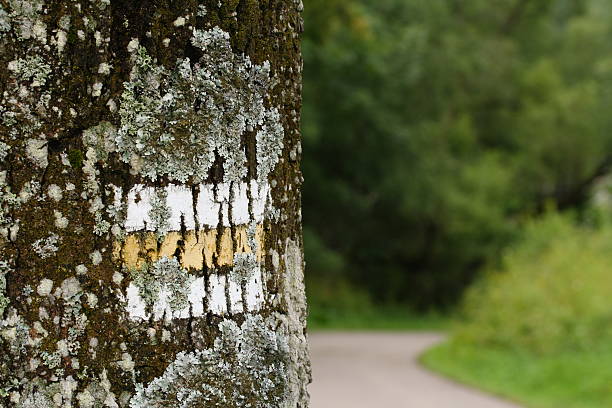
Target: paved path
{"points": [[379, 370]]}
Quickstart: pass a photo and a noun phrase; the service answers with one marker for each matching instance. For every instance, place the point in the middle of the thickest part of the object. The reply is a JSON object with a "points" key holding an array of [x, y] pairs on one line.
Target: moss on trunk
{"points": [[168, 125]]}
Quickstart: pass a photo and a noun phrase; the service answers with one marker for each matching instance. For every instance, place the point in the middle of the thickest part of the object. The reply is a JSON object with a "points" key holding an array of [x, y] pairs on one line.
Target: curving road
{"points": [[380, 370]]}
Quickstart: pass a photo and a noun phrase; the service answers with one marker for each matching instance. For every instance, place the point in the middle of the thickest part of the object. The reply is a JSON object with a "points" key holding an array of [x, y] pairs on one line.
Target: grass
{"points": [[567, 380], [381, 318]]}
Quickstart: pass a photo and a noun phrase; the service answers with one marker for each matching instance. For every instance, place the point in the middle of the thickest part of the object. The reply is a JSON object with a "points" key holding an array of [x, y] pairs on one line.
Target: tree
{"points": [[485, 113], [150, 226]]}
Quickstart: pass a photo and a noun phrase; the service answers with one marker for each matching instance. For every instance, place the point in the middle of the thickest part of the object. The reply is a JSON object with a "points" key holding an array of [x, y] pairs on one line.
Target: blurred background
{"points": [[457, 158]]}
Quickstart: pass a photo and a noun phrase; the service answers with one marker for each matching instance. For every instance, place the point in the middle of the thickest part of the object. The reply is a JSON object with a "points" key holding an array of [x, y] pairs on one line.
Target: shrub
{"points": [[552, 293]]}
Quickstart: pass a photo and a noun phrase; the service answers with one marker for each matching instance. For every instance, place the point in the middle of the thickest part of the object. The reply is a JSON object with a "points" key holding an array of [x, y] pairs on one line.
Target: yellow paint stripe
{"points": [[197, 249]]}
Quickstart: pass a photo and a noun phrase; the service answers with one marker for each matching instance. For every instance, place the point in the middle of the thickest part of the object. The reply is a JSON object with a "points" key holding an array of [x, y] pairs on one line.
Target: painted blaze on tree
{"points": [[150, 225]]}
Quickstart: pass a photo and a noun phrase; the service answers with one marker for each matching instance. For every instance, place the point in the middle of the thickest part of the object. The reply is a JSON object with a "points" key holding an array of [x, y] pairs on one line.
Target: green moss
{"points": [[76, 158], [72, 37]]}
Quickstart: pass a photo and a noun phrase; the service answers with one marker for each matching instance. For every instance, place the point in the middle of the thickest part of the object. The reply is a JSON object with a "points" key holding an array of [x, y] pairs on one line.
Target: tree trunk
{"points": [[151, 224]]}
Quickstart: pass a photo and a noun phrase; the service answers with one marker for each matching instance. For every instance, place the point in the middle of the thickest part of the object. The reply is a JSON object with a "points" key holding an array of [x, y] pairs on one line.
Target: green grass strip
{"points": [[568, 380]]}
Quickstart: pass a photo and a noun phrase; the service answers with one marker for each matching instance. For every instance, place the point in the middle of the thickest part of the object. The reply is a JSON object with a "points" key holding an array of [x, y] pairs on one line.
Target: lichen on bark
{"points": [[195, 102], [175, 122], [253, 356]]}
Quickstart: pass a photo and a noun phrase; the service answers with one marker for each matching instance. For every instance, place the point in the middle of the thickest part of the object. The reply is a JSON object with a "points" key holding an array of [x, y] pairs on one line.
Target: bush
{"points": [[552, 294]]}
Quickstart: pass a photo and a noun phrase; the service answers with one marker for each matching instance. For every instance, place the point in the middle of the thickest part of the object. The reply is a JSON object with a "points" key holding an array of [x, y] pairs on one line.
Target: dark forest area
{"points": [[435, 130]]}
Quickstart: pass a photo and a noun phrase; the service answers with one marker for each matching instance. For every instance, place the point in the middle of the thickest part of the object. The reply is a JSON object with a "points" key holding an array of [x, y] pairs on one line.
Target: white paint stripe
{"points": [[161, 307], [197, 293], [260, 194], [139, 206], [254, 291], [216, 300], [235, 295], [136, 306], [206, 206], [223, 197], [180, 202], [240, 208]]}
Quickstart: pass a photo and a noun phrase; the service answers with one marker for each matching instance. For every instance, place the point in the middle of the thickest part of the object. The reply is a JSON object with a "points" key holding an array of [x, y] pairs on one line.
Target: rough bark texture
{"points": [[150, 242]]}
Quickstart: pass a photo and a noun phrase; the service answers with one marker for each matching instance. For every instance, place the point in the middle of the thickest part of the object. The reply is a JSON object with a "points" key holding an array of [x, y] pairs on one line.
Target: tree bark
{"points": [[150, 230]]}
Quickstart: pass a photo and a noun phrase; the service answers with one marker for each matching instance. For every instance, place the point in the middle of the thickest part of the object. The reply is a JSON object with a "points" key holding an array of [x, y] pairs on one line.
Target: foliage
{"points": [[431, 128], [385, 318], [552, 294]]}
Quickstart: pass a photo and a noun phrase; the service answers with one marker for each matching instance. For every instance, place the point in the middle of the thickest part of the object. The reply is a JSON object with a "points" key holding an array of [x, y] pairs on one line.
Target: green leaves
{"points": [[430, 128]]}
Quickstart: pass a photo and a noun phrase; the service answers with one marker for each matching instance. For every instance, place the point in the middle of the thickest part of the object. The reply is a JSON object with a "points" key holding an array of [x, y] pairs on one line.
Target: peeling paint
{"points": [[178, 209]]}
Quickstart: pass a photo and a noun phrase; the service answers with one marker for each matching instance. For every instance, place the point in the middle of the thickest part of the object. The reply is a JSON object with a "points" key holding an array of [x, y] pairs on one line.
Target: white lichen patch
{"points": [[269, 144], [45, 287], [254, 355], [117, 278], [36, 150], [64, 22], [25, 15], [60, 221], [4, 300], [5, 21], [80, 269], [98, 38], [85, 399], [295, 298], [8, 202], [165, 290], [55, 192], [126, 363], [96, 89], [245, 265], [104, 68], [96, 257], [160, 212], [97, 394], [92, 300], [101, 139], [32, 68], [174, 121], [99, 142], [46, 247], [179, 22], [71, 287], [4, 150], [39, 31], [133, 45], [36, 400], [61, 38]]}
